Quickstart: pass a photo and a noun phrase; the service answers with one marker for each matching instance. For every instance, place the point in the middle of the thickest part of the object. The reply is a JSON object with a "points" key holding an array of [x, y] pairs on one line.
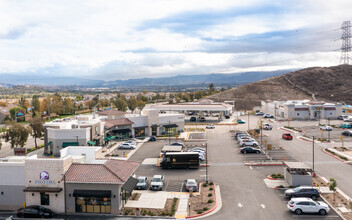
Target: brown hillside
{"points": [[326, 83]]}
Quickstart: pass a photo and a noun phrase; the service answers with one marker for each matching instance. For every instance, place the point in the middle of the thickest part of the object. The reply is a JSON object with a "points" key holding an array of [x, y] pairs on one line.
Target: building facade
{"points": [[302, 109]]}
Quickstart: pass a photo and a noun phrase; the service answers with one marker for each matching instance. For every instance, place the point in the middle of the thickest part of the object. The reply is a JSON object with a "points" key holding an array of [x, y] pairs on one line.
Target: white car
{"points": [[307, 205], [245, 140], [268, 116], [326, 128], [252, 143], [130, 142], [127, 146], [157, 183], [191, 184], [210, 126], [267, 127], [259, 113], [349, 119]]}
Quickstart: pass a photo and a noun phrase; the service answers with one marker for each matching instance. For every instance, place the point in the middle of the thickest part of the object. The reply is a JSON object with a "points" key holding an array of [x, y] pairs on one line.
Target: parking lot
{"points": [[244, 193]]}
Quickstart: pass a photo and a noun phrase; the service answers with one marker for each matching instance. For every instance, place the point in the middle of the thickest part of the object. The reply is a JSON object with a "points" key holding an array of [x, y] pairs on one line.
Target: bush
{"points": [[205, 184], [199, 212], [211, 188], [281, 186], [210, 201], [273, 175], [144, 212], [205, 209], [210, 194], [211, 183], [151, 213], [128, 211]]}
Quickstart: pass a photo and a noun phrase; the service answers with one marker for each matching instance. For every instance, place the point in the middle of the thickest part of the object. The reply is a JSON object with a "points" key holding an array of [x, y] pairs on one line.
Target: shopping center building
{"points": [[80, 181], [302, 109]]}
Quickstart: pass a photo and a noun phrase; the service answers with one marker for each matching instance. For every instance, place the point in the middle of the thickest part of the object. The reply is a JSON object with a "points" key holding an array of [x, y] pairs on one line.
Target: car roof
{"points": [[142, 177], [157, 176], [301, 199]]}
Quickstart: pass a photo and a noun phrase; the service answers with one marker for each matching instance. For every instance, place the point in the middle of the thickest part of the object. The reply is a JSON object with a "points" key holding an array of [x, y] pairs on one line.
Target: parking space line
{"points": [[240, 205], [250, 167], [263, 206]]}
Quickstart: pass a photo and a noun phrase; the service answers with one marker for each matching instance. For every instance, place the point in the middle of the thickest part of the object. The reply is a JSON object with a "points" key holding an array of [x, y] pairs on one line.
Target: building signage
{"points": [[317, 107], [19, 151], [44, 179]]}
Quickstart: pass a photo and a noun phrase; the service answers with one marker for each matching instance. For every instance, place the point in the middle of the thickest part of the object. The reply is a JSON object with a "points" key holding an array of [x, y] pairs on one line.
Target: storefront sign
{"points": [[44, 179], [317, 107], [19, 151]]}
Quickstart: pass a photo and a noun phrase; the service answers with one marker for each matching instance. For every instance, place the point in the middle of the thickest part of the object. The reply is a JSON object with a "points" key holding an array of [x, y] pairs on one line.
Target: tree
{"points": [[332, 186], [37, 129], [79, 98], [17, 135], [140, 105], [35, 103], [22, 102], [121, 104], [68, 105], [19, 111], [211, 89], [132, 103]]}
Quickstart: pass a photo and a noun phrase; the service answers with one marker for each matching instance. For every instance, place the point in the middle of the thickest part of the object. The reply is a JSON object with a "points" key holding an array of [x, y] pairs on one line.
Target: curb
{"points": [[289, 130], [261, 164], [209, 211], [332, 207], [311, 140], [336, 157], [271, 178]]}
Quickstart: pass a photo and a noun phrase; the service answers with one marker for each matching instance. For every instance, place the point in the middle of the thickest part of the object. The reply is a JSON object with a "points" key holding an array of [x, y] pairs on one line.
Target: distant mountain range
{"points": [[232, 78]]}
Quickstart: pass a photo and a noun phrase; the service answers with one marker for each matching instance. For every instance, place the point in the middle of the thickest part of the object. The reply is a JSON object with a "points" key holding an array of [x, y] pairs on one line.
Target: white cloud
{"points": [[93, 38]]}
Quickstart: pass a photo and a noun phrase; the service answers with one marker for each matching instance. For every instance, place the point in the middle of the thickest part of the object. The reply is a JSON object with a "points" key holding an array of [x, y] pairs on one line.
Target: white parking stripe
{"points": [[315, 216], [250, 167]]}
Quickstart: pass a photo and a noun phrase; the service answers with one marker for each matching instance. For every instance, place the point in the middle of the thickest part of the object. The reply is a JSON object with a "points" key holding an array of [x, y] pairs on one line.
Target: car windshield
{"points": [[156, 180], [140, 180], [191, 182], [296, 189]]}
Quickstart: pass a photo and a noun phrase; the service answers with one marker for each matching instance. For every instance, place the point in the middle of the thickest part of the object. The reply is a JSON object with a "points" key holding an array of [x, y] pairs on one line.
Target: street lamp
{"points": [[206, 163], [313, 156], [329, 129]]}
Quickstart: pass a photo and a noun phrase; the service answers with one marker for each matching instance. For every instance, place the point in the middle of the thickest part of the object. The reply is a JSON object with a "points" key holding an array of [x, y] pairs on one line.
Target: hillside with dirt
{"points": [[323, 83]]}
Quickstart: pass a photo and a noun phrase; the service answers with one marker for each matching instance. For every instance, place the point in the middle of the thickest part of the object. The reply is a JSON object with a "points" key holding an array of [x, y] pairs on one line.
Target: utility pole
{"points": [[313, 156], [329, 129], [16, 115], [346, 42], [206, 163], [261, 134], [169, 132]]}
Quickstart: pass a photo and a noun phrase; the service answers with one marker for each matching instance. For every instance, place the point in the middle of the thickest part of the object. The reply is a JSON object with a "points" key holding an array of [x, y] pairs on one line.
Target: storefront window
{"points": [[93, 205], [139, 132], [44, 199], [169, 131]]}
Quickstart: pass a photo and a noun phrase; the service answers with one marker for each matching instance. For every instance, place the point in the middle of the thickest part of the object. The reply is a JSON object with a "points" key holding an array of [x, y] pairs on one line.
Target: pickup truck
{"points": [[287, 136]]}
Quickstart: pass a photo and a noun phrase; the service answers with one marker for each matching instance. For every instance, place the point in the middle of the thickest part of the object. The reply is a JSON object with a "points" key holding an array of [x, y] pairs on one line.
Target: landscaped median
{"points": [[343, 154], [317, 140], [290, 129], [205, 202]]}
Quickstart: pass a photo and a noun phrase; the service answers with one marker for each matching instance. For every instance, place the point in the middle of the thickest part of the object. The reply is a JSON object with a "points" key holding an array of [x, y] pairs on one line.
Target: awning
{"points": [[41, 189], [92, 193], [50, 142], [66, 144], [122, 131], [130, 184], [92, 143], [170, 126], [109, 138]]}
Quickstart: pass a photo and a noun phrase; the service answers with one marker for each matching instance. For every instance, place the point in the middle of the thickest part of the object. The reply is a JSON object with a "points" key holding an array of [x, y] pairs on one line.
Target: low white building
{"points": [[302, 109], [81, 131]]}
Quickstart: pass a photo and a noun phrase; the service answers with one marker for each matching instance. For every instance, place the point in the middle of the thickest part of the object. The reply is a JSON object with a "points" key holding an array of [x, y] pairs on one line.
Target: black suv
{"points": [[193, 119], [35, 211], [302, 191]]}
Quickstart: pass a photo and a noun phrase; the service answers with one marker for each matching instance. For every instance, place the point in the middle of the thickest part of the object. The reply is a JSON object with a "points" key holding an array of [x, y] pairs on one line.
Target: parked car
{"points": [[240, 121], [210, 126], [346, 133], [157, 183], [245, 150], [127, 146], [342, 117], [152, 138], [227, 116], [202, 152], [177, 144], [199, 148], [287, 136], [142, 182], [259, 113], [268, 116], [346, 125], [251, 143], [193, 119], [267, 127], [349, 119], [130, 142], [302, 191], [326, 128], [307, 205], [191, 184], [35, 211], [202, 119], [246, 139]]}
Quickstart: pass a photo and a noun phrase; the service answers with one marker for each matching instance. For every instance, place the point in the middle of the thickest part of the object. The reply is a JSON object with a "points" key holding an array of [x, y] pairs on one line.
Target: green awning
{"points": [[109, 138], [50, 142], [66, 144], [92, 143]]}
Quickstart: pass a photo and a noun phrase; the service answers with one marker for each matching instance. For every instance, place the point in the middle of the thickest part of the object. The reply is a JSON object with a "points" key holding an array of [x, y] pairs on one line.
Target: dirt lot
{"points": [[168, 210]]}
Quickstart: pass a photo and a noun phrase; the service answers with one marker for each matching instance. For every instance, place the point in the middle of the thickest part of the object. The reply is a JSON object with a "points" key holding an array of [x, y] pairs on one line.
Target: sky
{"points": [[119, 39]]}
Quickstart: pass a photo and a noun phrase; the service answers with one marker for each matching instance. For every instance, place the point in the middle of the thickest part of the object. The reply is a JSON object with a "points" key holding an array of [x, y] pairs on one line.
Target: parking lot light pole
{"points": [[206, 163], [329, 129], [261, 134], [313, 156]]}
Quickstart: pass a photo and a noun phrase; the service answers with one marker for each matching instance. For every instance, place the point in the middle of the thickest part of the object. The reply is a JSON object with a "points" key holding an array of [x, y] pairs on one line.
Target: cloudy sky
{"points": [[122, 39]]}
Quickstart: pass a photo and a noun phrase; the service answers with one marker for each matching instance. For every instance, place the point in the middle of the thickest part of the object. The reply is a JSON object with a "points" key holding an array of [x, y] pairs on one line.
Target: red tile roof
{"points": [[112, 171], [116, 122], [111, 112]]}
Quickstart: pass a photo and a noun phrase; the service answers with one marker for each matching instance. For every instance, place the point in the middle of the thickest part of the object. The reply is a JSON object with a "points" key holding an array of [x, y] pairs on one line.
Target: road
{"points": [[6, 149]]}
